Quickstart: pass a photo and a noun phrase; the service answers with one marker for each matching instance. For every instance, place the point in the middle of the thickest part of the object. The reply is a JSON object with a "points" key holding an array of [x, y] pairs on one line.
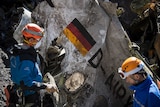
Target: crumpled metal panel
{"points": [[100, 64]]}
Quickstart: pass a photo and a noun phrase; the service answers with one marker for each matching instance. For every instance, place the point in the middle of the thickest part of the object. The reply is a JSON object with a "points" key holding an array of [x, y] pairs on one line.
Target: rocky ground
{"points": [[4, 78]]}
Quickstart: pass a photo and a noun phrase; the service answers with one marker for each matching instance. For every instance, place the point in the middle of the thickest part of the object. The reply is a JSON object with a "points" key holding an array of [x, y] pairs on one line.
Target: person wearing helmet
{"points": [[146, 92], [25, 71]]}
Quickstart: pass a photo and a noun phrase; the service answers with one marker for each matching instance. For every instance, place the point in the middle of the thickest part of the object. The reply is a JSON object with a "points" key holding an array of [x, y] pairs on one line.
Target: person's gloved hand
{"points": [[50, 88]]}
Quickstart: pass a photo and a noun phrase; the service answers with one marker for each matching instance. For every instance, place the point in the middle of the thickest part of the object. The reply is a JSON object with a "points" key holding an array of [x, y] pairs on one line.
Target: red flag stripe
{"points": [[79, 36]]}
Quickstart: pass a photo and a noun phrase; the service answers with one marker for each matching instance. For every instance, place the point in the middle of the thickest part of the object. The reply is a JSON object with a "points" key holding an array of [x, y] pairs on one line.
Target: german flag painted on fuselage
{"points": [[79, 36]]}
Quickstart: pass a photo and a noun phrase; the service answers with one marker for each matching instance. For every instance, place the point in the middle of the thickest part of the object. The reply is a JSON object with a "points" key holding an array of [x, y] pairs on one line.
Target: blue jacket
{"points": [[146, 94], [25, 68]]}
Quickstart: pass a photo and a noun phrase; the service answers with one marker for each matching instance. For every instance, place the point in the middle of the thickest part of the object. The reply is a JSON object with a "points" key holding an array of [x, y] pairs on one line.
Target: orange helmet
{"points": [[130, 66], [32, 30]]}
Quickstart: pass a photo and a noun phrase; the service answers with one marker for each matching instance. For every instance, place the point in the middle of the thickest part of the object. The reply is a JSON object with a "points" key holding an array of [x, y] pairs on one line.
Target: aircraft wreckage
{"points": [[83, 47]]}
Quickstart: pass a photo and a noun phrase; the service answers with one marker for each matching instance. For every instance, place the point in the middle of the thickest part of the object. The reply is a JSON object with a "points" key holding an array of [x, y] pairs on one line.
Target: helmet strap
{"points": [[27, 42]]}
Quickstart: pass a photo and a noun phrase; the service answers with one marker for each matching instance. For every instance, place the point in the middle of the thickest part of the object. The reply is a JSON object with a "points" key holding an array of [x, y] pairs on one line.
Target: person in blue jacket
{"points": [[25, 71], [146, 92]]}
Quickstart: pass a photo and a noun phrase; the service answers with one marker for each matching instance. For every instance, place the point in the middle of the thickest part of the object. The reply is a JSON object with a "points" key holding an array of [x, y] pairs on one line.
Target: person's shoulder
{"points": [[154, 91], [154, 98], [17, 49], [25, 52]]}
